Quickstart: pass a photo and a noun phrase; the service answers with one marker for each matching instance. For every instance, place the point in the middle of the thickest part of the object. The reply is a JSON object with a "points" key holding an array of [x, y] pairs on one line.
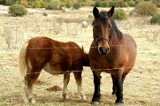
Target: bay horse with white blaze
{"points": [[55, 58], [111, 51]]}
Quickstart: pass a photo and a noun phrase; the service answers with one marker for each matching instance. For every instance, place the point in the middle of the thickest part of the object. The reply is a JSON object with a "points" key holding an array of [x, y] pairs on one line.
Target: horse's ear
{"points": [[95, 12], [110, 12]]}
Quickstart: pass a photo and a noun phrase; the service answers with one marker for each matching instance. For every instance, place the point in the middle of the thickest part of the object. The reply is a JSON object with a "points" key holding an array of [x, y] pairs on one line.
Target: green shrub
{"points": [[17, 10], [155, 19], [145, 8], [76, 6], [84, 4], [138, 1], [2, 1], [120, 14], [158, 4], [23, 2], [68, 4], [97, 4], [105, 4], [43, 4], [54, 5], [11, 2], [112, 3], [36, 4], [45, 14], [90, 16], [121, 3], [131, 3], [101, 4]]}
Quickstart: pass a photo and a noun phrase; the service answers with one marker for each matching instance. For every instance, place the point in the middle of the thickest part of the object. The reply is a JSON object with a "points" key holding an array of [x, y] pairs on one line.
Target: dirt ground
{"points": [[141, 87]]}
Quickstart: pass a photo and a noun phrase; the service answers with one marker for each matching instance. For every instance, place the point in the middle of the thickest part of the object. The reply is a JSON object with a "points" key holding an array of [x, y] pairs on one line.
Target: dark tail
{"points": [[86, 61]]}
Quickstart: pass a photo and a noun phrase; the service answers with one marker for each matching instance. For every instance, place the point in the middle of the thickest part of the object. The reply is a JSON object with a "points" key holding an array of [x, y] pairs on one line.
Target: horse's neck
{"points": [[115, 40]]}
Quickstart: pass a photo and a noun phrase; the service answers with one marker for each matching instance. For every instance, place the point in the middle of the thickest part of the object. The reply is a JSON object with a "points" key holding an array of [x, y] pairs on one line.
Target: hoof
{"points": [[119, 104], [96, 103], [64, 96], [32, 101], [83, 97], [25, 100], [114, 96]]}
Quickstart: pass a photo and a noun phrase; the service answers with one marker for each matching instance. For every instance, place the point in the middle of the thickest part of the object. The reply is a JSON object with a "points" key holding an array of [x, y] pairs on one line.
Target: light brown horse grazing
{"points": [[111, 51], [55, 58]]}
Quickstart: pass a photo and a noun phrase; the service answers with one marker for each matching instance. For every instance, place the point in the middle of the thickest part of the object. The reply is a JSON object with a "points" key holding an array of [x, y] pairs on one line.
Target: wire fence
{"points": [[57, 71], [87, 47], [88, 70]]}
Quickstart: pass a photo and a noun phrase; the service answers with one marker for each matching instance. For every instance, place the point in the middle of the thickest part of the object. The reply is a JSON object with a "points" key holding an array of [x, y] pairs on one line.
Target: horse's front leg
{"points": [[114, 88], [119, 86], [65, 83], [97, 81], [78, 79]]}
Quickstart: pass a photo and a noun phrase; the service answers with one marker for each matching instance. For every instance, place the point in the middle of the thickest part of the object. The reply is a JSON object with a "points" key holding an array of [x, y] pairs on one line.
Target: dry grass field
{"points": [[141, 87]]}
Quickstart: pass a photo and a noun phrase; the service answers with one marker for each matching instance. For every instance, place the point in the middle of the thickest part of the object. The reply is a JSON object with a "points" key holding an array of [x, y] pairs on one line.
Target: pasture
{"points": [[141, 86]]}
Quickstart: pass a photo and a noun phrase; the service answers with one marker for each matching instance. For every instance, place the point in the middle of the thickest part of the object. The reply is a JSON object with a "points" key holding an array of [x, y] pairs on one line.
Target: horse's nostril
{"points": [[108, 50], [103, 51]]}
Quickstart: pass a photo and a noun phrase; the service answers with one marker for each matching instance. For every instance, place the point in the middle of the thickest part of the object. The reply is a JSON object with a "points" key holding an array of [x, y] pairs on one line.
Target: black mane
{"points": [[104, 16]]}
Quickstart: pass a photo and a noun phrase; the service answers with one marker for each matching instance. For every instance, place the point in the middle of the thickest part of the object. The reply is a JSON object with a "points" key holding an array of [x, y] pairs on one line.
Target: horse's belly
{"points": [[53, 69]]}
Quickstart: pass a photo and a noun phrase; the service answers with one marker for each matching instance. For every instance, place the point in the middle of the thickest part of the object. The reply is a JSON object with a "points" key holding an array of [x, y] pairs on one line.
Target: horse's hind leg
{"points": [[65, 83], [78, 78], [30, 79]]}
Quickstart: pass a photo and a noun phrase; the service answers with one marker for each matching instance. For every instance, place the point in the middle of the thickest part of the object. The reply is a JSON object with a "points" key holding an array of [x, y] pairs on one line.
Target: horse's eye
{"points": [[109, 27]]}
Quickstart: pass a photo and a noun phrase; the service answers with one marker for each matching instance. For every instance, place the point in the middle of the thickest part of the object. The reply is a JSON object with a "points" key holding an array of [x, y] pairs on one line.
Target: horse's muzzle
{"points": [[103, 50]]}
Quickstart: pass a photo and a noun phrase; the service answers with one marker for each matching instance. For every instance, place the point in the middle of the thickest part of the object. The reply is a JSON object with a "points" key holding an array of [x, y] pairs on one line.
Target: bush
{"points": [[158, 4], [105, 4], [68, 4], [2, 1], [155, 19], [121, 3], [101, 4], [54, 5], [90, 16], [84, 4], [120, 14], [23, 2], [17, 10], [112, 3], [11, 2], [45, 14], [131, 3], [76, 6], [145, 8]]}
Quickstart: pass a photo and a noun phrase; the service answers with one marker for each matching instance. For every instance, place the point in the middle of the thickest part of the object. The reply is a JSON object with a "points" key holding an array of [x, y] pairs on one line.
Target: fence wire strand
{"points": [[88, 47], [101, 70]]}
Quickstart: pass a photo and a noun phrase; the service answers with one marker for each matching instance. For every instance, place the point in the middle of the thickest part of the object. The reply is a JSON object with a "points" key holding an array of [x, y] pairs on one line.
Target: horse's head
{"points": [[101, 29]]}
